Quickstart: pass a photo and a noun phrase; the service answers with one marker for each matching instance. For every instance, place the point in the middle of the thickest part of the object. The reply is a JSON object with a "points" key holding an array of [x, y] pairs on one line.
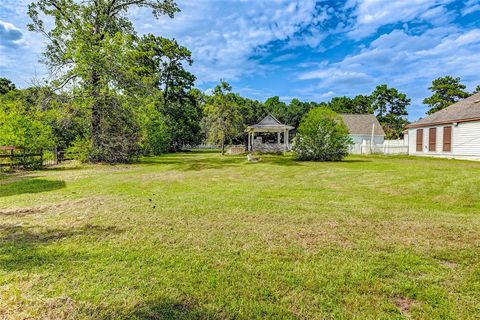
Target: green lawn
{"points": [[197, 235]]}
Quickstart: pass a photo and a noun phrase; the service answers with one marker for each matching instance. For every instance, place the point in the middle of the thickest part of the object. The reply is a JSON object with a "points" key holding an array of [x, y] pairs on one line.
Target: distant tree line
{"points": [[114, 95], [168, 118]]}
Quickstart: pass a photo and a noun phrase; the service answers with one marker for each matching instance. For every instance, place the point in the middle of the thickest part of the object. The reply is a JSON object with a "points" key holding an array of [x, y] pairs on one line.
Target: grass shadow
{"points": [[172, 309], [26, 185], [21, 247], [65, 168], [354, 161], [197, 161]]}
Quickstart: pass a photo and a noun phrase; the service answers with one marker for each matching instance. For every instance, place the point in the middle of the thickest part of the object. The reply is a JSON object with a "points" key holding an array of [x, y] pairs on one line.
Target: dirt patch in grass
{"points": [[20, 212], [404, 304], [449, 264]]}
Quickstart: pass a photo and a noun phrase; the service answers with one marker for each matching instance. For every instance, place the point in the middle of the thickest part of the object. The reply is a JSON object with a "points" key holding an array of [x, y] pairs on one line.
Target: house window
{"points": [[447, 139], [432, 139], [419, 140]]}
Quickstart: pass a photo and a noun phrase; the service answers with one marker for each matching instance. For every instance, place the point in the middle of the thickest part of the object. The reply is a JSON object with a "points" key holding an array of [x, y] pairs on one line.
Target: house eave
{"points": [[429, 124]]}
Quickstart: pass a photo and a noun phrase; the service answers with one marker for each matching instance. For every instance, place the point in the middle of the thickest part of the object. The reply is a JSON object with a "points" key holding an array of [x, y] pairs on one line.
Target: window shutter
{"points": [[419, 140], [432, 140], [447, 139]]}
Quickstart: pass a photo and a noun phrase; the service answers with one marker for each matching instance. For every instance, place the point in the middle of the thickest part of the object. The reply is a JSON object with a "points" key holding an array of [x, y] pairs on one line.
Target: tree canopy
{"points": [[93, 44], [223, 118], [446, 91], [390, 107], [6, 86], [322, 136]]}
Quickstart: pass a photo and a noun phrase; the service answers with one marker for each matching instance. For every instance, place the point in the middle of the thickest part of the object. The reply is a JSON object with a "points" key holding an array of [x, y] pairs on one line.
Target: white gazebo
{"points": [[269, 124]]}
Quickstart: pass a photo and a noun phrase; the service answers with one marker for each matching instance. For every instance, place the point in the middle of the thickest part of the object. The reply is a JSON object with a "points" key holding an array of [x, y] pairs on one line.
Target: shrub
{"points": [[80, 149], [119, 140], [24, 131], [322, 136], [157, 136]]}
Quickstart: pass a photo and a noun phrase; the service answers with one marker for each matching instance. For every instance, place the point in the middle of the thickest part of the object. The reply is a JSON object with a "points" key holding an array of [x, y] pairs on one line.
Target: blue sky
{"points": [[311, 50]]}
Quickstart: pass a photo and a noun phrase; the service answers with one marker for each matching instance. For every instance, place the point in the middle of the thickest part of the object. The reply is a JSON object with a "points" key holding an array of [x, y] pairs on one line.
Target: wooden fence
{"points": [[13, 158]]}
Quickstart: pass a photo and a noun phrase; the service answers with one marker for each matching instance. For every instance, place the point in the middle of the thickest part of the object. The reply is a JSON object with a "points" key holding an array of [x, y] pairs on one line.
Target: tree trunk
{"points": [[96, 130], [96, 111], [223, 144]]}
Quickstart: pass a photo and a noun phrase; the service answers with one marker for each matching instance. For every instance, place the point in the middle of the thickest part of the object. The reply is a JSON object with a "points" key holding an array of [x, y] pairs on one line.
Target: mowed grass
{"points": [[200, 236]]}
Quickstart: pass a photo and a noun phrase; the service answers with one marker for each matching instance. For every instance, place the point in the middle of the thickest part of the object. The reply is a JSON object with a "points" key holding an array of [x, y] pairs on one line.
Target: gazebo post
{"points": [[253, 140], [287, 142]]}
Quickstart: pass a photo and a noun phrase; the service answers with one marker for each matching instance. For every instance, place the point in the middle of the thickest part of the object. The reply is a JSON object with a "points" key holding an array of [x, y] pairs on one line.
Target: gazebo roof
{"points": [[269, 124]]}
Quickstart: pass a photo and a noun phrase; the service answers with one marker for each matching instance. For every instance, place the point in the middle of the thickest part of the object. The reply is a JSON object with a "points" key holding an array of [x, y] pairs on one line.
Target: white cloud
{"points": [[246, 40], [372, 14], [471, 6], [284, 57], [408, 62], [10, 36], [225, 37], [19, 57]]}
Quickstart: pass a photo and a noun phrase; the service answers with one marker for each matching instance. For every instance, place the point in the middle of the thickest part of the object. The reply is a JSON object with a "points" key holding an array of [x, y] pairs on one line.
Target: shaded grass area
{"points": [[200, 236], [29, 185]]}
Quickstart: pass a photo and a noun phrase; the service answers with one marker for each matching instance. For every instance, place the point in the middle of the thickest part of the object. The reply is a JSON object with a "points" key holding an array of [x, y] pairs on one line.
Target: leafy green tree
{"points": [[390, 106], [446, 91], [341, 104], [223, 118], [252, 111], [362, 104], [322, 136], [477, 89], [22, 124], [277, 108], [121, 133], [93, 44], [183, 116], [156, 134], [66, 116], [178, 103], [6, 86], [296, 110]]}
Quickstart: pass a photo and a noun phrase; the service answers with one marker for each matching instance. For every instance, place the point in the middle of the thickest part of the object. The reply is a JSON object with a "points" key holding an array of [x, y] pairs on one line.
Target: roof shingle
{"points": [[361, 124], [465, 109]]}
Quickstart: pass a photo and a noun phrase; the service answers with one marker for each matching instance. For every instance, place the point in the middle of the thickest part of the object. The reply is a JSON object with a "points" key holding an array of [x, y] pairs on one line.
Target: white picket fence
{"points": [[388, 147]]}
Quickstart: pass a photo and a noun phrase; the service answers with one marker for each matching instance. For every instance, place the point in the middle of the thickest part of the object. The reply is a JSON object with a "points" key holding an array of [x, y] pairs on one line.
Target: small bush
{"points": [[157, 136], [80, 149], [322, 136]]}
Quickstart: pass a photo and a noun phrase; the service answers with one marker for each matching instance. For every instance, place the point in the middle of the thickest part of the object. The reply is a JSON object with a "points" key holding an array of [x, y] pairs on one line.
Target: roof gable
{"points": [[269, 124], [465, 109], [362, 124], [269, 121]]}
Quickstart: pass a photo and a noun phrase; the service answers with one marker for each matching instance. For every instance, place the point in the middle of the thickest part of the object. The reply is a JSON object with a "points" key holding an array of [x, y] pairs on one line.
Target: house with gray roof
{"points": [[364, 129], [453, 132]]}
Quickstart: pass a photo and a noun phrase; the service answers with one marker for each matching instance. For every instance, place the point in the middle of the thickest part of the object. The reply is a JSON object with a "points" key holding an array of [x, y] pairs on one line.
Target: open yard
{"points": [[197, 235]]}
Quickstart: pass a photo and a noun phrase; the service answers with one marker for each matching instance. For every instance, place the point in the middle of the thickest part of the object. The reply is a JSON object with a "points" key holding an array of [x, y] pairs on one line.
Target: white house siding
{"points": [[465, 141], [412, 141]]}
